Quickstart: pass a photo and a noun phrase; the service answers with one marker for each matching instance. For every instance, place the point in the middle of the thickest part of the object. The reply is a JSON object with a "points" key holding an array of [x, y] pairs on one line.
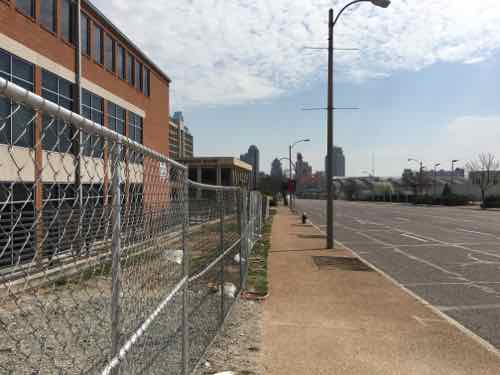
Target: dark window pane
{"points": [[4, 122], [85, 34], [25, 85], [66, 88], [22, 127], [111, 109], [96, 102], [87, 98], [22, 69], [97, 44], [121, 62], [138, 76], [49, 81], [109, 53], [145, 83], [67, 20], [47, 14], [130, 69], [26, 6], [49, 133], [4, 62]]}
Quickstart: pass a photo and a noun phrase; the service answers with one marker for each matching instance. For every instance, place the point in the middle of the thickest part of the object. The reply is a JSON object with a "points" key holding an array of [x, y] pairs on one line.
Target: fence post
{"points": [[115, 254], [244, 238], [220, 199], [239, 214], [185, 262]]}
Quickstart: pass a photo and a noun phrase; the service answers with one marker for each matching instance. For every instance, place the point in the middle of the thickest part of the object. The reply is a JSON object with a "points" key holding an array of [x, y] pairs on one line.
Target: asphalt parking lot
{"points": [[450, 257]]}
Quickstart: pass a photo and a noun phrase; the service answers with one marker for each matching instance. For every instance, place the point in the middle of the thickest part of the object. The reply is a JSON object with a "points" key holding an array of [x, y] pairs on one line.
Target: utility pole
{"points": [[329, 174], [453, 169]]}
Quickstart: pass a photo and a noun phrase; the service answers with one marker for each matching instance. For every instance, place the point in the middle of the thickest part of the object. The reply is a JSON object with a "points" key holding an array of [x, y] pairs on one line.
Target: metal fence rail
{"points": [[111, 260]]}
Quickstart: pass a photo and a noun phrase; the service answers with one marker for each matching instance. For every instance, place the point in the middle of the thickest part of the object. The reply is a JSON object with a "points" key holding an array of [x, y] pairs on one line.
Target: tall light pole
{"points": [[290, 160], [453, 169], [329, 151]]}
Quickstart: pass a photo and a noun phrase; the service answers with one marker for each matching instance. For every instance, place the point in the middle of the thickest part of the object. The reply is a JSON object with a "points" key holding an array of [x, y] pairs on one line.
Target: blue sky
{"points": [[426, 77]]}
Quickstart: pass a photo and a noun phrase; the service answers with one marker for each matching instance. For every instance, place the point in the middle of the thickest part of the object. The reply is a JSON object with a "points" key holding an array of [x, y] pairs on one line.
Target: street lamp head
{"points": [[437, 164], [381, 3], [454, 161]]}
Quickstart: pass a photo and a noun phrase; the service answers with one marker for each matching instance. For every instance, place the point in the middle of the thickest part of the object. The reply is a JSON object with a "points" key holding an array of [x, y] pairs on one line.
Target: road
{"points": [[450, 257]]}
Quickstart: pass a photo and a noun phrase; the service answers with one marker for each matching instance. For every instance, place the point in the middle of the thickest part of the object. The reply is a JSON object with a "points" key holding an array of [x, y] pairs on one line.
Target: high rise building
{"points": [[338, 165], [180, 139], [276, 169], [252, 157]]}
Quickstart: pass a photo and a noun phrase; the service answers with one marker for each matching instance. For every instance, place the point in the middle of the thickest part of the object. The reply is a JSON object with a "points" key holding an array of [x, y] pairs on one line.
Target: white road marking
{"points": [[413, 237], [476, 232], [402, 218], [468, 307]]}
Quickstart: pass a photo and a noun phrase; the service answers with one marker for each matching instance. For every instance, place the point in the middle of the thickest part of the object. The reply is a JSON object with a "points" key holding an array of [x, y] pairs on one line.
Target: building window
{"points": [[17, 213], [135, 133], [85, 34], [48, 14], [97, 44], [26, 7], [67, 20], [109, 53], [92, 109], [18, 129], [138, 75], [59, 219], [145, 83], [56, 135], [130, 69], [121, 62], [116, 118], [135, 127]]}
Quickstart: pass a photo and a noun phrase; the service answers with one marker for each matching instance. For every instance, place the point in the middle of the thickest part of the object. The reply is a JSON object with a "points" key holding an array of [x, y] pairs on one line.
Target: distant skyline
{"points": [[426, 77]]}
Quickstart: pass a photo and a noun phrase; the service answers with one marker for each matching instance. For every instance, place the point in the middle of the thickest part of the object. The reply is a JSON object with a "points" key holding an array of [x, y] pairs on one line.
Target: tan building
{"points": [[226, 171]]}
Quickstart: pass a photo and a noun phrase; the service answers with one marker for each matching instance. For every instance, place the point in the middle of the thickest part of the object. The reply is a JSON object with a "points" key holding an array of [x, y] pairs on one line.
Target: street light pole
{"points": [[329, 166], [435, 174], [329, 152]]}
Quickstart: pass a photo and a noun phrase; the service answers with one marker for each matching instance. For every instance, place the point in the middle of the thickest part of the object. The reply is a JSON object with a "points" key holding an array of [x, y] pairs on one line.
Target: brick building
{"points": [[105, 78]]}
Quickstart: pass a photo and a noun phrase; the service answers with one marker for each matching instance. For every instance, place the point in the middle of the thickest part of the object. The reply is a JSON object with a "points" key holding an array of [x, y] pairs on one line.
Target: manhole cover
{"points": [[340, 263]]}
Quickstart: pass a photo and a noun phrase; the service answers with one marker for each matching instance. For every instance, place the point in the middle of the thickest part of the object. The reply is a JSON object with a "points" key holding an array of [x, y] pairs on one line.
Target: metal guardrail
{"points": [[111, 260]]}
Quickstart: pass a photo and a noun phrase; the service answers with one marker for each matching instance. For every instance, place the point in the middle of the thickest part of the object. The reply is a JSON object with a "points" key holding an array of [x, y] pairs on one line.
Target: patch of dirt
{"points": [[238, 347]]}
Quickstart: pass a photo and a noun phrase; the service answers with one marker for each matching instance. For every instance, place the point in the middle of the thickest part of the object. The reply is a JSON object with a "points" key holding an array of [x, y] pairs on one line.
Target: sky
{"points": [[426, 77]]}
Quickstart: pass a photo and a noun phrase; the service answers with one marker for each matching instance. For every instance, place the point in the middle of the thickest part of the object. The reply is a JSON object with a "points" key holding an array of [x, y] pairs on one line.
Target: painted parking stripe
{"points": [[413, 237], [476, 232], [469, 307]]}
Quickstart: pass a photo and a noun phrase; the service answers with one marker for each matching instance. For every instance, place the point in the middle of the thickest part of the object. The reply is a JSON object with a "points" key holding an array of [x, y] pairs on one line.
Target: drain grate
{"points": [[340, 263]]}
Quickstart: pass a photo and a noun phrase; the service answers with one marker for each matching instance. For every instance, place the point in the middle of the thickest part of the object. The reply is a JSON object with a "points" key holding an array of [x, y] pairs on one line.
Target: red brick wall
{"points": [[157, 107]]}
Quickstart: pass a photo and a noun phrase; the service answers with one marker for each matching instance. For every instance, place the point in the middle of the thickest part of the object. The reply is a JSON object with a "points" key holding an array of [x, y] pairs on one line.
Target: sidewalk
{"points": [[328, 321]]}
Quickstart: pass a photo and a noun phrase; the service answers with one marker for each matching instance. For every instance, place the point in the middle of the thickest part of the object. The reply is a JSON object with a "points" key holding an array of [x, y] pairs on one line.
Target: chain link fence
{"points": [[111, 260]]}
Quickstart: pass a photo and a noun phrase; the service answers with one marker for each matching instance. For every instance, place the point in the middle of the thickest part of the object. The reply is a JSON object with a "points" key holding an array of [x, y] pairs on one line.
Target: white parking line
{"points": [[476, 232], [468, 307], [402, 218], [413, 237]]}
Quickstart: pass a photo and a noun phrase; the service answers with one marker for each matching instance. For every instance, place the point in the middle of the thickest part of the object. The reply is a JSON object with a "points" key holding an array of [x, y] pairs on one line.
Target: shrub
{"points": [[492, 201]]}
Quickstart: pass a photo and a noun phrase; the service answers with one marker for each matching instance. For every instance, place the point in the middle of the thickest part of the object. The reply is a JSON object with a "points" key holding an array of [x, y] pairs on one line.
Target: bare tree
{"points": [[484, 172]]}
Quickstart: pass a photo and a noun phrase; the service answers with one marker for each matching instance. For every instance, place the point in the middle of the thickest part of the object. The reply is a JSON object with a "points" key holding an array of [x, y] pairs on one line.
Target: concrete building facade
{"points": [[226, 171], [252, 157], [180, 139]]}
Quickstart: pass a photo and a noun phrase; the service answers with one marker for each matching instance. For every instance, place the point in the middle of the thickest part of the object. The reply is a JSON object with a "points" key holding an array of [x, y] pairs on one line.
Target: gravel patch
{"points": [[238, 346]]}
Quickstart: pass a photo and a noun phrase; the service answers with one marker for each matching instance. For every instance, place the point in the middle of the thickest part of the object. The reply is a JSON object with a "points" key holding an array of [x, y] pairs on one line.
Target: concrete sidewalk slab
{"points": [[330, 321]]}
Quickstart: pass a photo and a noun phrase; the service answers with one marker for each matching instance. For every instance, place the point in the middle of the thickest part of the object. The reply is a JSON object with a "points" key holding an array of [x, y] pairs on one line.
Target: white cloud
{"points": [[222, 52]]}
